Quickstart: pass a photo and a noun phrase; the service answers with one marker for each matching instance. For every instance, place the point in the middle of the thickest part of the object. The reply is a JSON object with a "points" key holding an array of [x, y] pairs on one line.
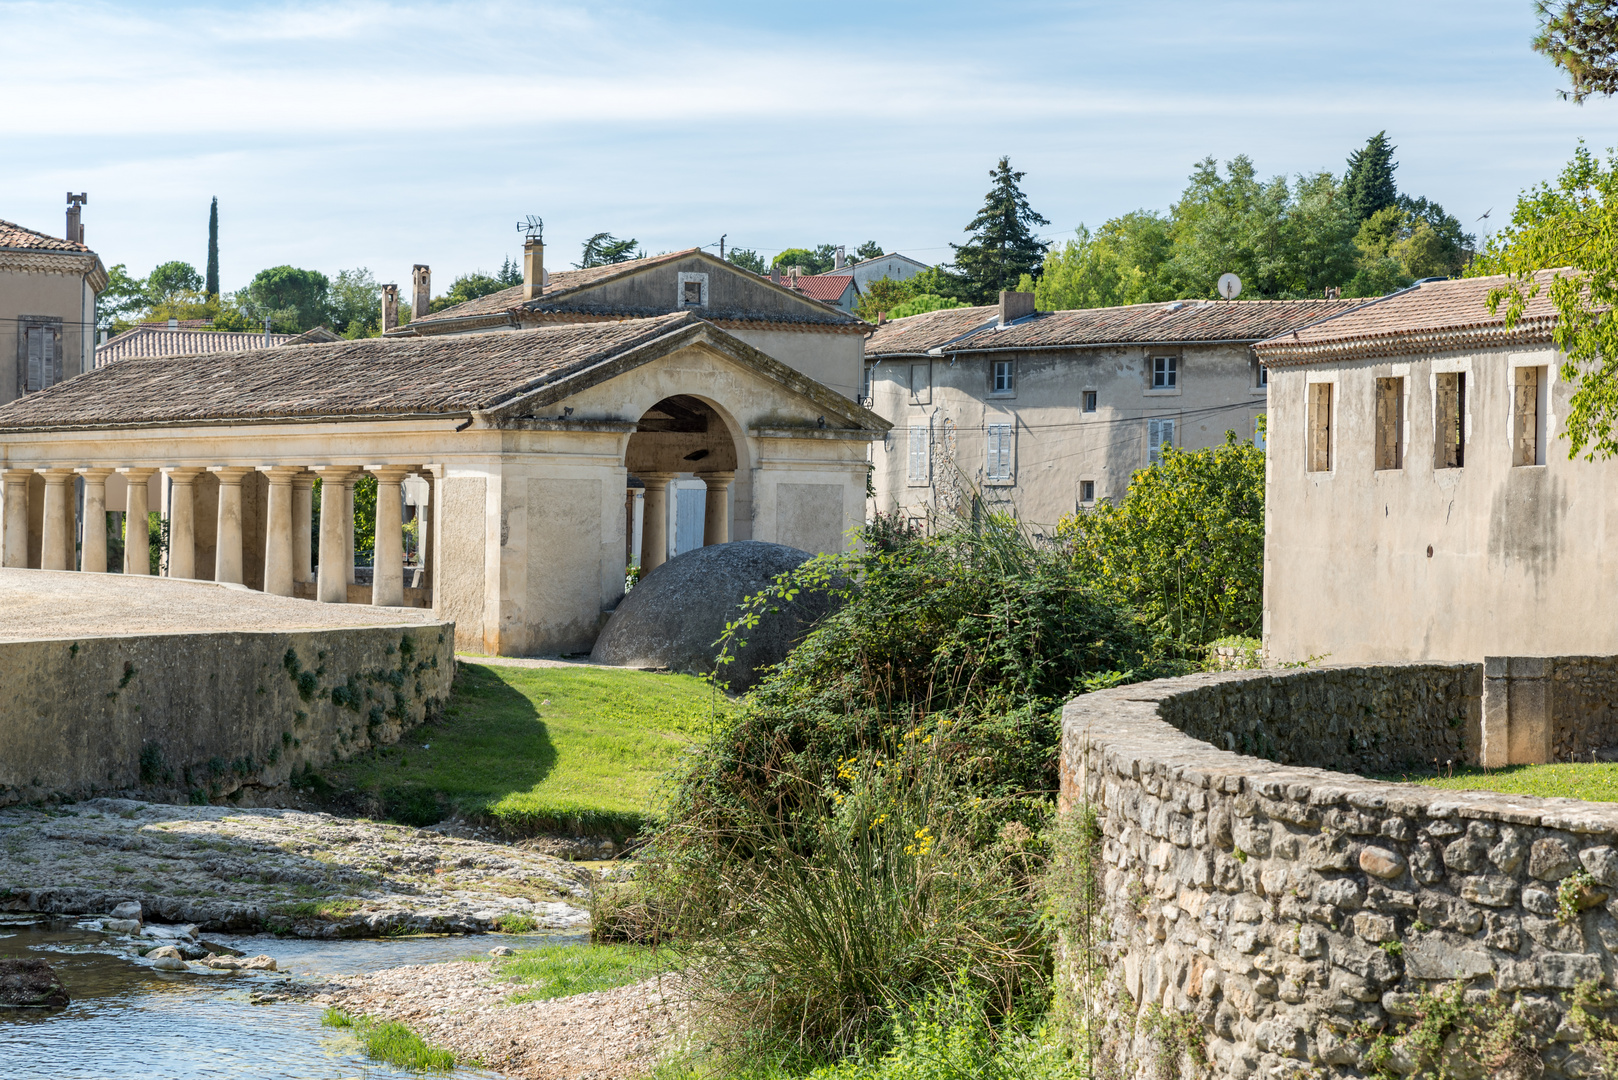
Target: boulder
{"points": [[169, 963], [129, 909], [672, 618], [30, 984]]}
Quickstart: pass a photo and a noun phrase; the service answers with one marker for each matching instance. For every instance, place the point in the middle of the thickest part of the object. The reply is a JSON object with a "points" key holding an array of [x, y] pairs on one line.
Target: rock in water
{"points": [[129, 909], [502, 950], [672, 618], [30, 984], [169, 963]]}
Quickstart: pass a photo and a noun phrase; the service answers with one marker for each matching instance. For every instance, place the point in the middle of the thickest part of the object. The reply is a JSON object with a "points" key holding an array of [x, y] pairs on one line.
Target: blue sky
{"points": [[384, 134]]}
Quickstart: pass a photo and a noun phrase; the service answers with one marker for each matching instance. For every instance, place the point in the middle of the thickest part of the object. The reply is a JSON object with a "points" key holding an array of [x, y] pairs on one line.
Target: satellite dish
{"points": [[1230, 286]]}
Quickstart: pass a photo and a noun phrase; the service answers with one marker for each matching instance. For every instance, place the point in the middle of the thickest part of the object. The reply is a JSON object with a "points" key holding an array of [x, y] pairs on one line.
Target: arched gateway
{"points": [[524, 440]]}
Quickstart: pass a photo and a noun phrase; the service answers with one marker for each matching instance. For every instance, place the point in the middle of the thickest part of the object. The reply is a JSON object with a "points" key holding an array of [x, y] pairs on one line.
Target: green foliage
{"points": [[923, 303], [1412, 239], [356, 304], [1003, 246], [365, 514], [168, 282], [211, 283], [1368, 182], [293, 300], [468, 287], [1590, 781], [121, 303], [1569, 227], [1122, 263], [603, 249], [815, 260], [391, 1042], [157, 542], [555, 971], [884, 295], [868, 250], [1186, 546], [1581, 38], [510, 273], [747, 259]]}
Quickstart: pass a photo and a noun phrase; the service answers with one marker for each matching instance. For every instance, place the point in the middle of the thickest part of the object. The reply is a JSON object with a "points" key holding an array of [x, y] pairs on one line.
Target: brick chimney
{"points": [[1014, 305], [533, 268], [421, 279], [75, 227], [390, 308]]}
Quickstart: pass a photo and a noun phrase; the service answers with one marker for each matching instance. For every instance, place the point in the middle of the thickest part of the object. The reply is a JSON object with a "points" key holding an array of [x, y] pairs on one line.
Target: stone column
{"points": [[348, 527], [93, 548], [303, 524], [427, 524], [654, 534], [716, 512], [227, 563], [58, 542], [137, 554], [182, 527], [333, 569], [387, 557], [15, 550], [278, 530]]}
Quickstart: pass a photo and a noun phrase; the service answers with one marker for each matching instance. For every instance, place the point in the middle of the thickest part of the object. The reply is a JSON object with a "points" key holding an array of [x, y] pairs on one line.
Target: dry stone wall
{"points": [[1277, 920]]}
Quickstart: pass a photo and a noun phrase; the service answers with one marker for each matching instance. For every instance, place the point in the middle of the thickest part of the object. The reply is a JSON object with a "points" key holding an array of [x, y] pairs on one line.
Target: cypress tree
{"points": [[212, 286], [1368, 183], [1003, 246]]}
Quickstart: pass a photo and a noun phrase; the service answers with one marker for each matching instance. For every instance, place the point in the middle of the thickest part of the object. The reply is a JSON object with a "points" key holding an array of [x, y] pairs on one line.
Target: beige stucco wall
{"points": [[29, 294], [1057, 445], [833, 360], [1522, 561]]}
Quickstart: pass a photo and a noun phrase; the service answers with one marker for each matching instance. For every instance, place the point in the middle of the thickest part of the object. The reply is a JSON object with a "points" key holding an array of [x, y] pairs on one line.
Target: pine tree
{"points": [[212, 284], [1368, 183], [1003, 247]]}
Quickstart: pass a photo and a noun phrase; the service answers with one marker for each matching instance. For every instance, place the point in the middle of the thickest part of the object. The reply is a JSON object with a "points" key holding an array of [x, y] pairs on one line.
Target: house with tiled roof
{"points": [[838, 290], [1045, 413], [893, 266], [194, 337], [48, 289], [1421, 501]]}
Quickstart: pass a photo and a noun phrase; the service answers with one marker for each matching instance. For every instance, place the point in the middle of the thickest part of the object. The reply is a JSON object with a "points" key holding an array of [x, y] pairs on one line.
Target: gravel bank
{"points": [[462, 1006], [313, 875]]}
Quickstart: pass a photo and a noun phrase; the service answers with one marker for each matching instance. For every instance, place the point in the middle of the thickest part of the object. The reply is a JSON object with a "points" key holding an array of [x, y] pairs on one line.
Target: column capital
{"points": [[389, 473], [16, 475], [720, 478], [656, 479], [56, 473], [183, 474], [231, 474], [283, 474], [338, 473], [137, 473], [95, 472]]}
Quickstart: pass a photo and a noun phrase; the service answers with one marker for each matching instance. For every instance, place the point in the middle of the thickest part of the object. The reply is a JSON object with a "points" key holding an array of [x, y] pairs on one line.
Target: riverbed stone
{"points": [[129, 909], [502, 950], [170, 963], [30, 984]]}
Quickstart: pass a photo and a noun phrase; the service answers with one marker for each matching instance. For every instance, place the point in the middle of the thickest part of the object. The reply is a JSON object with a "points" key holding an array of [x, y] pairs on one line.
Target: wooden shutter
{"points": [[1525, 416], [36, 357], [1449, 422], [1319, 427], [1389, 421]]}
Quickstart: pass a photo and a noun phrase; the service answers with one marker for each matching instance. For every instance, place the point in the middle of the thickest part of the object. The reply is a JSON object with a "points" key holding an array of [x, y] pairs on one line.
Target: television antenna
{"points": [[532, 229], [1230, 286]]}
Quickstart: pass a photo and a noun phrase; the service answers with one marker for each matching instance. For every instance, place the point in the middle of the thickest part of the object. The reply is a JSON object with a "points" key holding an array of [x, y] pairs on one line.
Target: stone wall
{"points": [[1280, 920], [200, 717]]}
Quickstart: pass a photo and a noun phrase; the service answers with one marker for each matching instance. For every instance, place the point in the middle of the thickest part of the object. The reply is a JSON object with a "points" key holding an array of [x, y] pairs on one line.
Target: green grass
{"points": [[574, 749], [564, 970], [386, 1040], [1591, 781]]}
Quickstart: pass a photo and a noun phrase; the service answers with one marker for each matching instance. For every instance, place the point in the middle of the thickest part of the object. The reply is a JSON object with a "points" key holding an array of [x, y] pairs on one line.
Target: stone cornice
{"points": [[1284, 352], [22, 261]]}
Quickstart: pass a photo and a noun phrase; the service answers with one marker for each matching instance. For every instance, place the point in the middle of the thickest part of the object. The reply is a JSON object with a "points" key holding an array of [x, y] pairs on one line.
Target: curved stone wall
{"points": [[1277, 919]]}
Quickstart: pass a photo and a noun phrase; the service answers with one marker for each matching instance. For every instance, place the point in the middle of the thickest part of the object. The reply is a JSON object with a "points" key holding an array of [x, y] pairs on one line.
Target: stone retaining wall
{"points": [[1283, 917], [200, 717]]}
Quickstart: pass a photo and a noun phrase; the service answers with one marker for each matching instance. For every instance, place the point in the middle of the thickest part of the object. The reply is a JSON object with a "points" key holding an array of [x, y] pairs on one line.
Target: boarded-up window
{"points": [[1528, 416], [41, 357], [1449, 420], [921, 457], [1002, 444], [921, 384], [1390, 423], [1320, 427], [1159, 433]]}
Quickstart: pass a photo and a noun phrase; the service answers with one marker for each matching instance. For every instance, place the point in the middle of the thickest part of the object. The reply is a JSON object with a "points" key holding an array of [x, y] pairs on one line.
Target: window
{"points": [[1528, 416], [1004, 377], [921, 455], [1390, 423], [921, 384], [1165, 372], [43, 357], [1089, 401], [1261, 431], [865, 385], [1263, 375], [693, 290], [1002, 443], [1319, 427], [1087, 491], [1159, 433], [1449, 420]]}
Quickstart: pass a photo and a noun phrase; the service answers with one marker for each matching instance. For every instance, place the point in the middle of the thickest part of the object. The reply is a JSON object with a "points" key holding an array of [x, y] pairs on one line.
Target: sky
{"points": [[380, 135]]}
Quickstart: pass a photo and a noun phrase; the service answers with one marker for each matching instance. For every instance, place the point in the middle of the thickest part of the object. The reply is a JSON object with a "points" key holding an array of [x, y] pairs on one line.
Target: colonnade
{"points": [[288, 522], [654, 542]]}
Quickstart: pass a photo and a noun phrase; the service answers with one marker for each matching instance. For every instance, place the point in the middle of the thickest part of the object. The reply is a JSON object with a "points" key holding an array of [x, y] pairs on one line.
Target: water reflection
{"points": [[129, 1022]]}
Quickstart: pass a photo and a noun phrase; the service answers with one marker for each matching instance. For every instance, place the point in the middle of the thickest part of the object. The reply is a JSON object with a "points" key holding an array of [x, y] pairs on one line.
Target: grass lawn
{"points": [[1592, 781], [571, 749], [563, 970]]}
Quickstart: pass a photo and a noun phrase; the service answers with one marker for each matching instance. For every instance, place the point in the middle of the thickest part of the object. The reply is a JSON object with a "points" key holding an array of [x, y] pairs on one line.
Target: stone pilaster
{"points": [[14, 494]]}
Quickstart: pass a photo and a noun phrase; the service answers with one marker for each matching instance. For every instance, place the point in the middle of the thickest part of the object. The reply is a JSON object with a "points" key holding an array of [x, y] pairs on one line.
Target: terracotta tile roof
{"points": [[558, 283], [156, 339], [452, 373], [1436, 316], [1176, 321], [13, 235], [826, 288]]}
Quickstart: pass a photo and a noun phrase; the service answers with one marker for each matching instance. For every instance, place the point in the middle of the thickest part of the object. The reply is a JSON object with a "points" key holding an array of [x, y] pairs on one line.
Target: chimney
{"points": [[775, 273], [174, 324], [533, 267], [1014, 305], [75, 227], [266, 331], [390, 308], [421, 278], [837, 259]]}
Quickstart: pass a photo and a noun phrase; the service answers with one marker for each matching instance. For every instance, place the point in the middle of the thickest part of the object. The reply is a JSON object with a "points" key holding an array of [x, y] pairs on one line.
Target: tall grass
{"points": [[392, 1042]]}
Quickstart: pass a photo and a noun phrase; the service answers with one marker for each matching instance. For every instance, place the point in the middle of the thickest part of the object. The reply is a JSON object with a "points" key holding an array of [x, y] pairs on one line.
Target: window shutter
{"points": [[1000, 442], [48, 357], [920, 455], [36, 347]]}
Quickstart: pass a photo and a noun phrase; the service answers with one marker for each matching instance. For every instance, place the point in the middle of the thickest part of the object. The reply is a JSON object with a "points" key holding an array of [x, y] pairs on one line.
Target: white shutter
{"points": [[1001, 441], [36, 348], [1159, 433], [920, 455]]}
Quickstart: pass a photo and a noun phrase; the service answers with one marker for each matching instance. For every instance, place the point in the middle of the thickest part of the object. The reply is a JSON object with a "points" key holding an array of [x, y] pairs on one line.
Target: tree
{"points": [[1186, 546], [122, 302], [211, 287], [922, 303], [883, 295], [868, 250], [510, 273], [816, 261], [603, 249], [356, 304], [1121, 264], [1568, 227], [1368, 183], [747, 259], [467, 287], [169, 282], [1003, 246], [293, 300], [1581, 38], [1411, 239]]}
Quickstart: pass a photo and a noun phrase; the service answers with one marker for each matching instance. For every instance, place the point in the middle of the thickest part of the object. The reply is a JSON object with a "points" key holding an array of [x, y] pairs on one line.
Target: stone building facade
{"points": [[1047, 412], [48, 288]]}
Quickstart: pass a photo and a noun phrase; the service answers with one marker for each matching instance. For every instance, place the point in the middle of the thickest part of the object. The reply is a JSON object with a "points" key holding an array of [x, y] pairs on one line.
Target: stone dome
{"points": [[673, 616]]}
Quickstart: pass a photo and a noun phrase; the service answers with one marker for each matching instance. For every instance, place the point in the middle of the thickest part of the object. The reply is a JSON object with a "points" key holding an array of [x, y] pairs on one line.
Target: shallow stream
{"points": [[130, 1022]]}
